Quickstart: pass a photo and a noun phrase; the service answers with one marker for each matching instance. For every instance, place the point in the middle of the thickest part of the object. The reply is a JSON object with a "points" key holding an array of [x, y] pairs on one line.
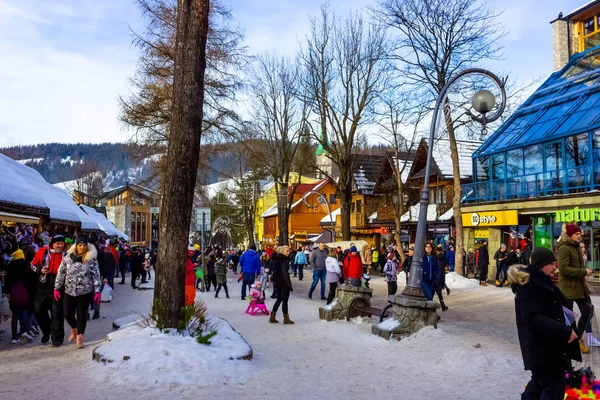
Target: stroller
{"points": [[257, 300]]}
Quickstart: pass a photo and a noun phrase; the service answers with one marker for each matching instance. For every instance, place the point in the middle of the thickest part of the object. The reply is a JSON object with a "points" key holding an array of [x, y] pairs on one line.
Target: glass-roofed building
{"points": [[542, 166]]}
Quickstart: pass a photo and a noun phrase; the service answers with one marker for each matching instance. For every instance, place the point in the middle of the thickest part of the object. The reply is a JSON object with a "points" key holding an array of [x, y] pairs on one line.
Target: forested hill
{"points": [[60, 162], [117, 162]]}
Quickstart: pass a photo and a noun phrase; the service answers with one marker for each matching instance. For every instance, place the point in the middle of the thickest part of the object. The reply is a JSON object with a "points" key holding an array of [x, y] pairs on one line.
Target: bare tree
{"points": [[433, 40], [88, 182], [179, 179], [399, 125], [279, 120], [344, 71]]}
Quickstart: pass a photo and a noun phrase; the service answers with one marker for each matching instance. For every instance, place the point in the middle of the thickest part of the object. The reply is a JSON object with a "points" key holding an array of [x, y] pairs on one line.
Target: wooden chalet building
{"points": [[304, 221], [133, 209]]}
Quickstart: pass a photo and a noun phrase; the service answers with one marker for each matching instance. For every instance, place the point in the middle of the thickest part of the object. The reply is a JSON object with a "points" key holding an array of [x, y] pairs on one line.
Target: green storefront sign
{"points": [[578, 215]]}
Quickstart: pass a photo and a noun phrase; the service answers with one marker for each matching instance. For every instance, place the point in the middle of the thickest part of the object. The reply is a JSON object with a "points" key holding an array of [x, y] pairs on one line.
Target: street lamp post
{"points": [[322, 200], [483, 102]]}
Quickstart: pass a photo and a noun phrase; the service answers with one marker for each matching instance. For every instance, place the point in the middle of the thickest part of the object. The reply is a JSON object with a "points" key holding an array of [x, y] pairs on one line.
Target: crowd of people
{"points": [[63, 281]]}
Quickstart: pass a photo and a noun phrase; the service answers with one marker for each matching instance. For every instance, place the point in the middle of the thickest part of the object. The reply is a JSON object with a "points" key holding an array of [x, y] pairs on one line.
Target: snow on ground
{"points": [[473, 355], [456, 281], [158, 359]]}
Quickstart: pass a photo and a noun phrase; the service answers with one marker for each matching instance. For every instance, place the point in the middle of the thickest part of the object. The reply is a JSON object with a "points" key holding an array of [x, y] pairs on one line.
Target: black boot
{"points": [[444, 307], [96, 314]]}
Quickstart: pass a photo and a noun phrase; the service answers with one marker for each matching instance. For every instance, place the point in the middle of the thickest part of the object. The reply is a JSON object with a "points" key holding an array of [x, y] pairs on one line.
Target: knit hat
{"points": [[503, 246], [81, 239], [541, 256], [439, 246], [18, 255], [353, 249], [57, 238], [412, 246], [572, 229]]}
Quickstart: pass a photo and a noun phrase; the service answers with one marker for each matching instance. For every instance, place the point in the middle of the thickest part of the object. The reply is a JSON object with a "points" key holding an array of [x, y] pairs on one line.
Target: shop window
{"points": [[497, 166], [515, 163], [577, 151], [143, 233], [481, 168]]}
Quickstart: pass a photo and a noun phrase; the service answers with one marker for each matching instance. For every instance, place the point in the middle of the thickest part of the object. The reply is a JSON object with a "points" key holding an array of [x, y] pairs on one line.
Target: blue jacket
{"points": [[430, 269], [300, 258], [450, 257], [250, 262]]}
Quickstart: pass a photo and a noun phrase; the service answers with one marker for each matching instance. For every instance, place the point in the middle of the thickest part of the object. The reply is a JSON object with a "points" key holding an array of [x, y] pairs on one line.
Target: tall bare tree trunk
{"points": [[346, 201], [283, 214], [179, 178], [459, 246], [399, 210]]}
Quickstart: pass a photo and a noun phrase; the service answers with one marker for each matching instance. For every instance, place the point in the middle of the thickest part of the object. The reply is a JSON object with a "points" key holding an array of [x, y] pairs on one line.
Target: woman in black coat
{"points": [[283, 284], [547, 342]]}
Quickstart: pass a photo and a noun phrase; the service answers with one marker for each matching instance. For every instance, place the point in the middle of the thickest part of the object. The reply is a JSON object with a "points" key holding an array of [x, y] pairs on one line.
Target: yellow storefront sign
{"points": [[492, 218], [481, 233]]}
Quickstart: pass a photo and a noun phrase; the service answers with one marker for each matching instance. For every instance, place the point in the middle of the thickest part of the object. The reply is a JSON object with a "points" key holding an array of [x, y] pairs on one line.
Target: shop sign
{"points": [[385, 231], [481, 233], [578, 215], [493, 218]]}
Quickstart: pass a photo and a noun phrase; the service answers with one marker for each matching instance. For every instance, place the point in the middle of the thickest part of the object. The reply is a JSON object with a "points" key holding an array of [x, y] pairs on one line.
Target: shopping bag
{"points": [[107, 294]]}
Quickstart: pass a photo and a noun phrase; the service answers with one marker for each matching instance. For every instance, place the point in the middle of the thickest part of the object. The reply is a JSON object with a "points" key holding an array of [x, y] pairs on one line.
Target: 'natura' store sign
{"points": [[578, 215]]}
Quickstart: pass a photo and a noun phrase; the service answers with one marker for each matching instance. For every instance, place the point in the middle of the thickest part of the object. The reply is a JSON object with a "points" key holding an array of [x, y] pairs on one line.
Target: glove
{"points": [[57, 295], [97, 298]]}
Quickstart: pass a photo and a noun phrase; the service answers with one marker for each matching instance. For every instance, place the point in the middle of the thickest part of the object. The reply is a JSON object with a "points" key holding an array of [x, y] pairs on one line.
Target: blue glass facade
{"points": [[550, 145]]}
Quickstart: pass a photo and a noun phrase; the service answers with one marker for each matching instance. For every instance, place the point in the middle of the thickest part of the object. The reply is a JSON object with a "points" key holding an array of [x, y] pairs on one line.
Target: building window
{"points": [[358, 206], [352, 208], [332, 199], [589, 34]]}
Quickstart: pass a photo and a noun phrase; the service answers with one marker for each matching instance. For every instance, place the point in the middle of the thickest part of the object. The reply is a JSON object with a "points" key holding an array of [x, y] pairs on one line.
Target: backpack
{"points": [[19, 298]]}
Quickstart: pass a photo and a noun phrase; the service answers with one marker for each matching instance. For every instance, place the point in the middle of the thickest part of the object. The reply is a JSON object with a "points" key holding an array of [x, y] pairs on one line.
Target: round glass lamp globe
{"points": [[483, 101]]}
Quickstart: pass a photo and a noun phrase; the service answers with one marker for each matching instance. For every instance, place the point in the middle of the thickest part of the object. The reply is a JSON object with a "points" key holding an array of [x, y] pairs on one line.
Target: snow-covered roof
{"points": [[271, 211], [447, 216], [413, 214], [104, 224], [441, 156], [366, 171], [327, 219], [372, 218], [581, 8], [23, 185]]}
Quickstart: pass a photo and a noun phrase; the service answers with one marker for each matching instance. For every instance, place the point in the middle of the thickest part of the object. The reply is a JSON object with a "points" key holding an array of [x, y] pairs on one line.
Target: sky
{"points": [[65, 62]]}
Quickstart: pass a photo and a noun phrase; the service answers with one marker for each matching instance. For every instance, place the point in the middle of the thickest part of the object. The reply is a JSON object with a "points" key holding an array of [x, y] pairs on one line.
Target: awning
{"points": [[25, 219]]}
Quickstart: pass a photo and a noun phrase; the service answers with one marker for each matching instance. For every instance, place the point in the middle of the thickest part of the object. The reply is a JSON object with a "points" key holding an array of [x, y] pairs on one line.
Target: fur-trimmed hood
{"points": [[91, 255], [518, 274]]}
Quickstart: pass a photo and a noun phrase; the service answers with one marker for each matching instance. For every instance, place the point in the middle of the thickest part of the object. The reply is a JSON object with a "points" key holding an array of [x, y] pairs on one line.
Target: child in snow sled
{"points": [[257, 300]]}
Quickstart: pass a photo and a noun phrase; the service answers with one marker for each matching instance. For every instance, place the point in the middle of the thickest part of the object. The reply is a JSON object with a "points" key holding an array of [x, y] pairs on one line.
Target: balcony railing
{"points": [[559, 182]]}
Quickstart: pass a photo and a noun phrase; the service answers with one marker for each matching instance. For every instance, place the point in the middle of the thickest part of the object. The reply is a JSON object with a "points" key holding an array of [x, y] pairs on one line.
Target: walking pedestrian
{"points": [[317, 261], [450, 258], [300, 261], [250, 266], [366, 257], [136, 264], [281, 278], [20, 282], [221, 271], [391, 271], [572, 282], [501, 269], [471, 261], [48, 310], [406, 264], [80, 276], [353, 267], [430, 271], [106, 265], [190, 278], [334, 273], [123, 261], [547, 342], [483, 261]]}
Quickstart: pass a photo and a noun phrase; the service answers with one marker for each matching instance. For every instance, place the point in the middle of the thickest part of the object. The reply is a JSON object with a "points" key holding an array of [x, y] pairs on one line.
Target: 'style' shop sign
{"points": [[493, 218]]}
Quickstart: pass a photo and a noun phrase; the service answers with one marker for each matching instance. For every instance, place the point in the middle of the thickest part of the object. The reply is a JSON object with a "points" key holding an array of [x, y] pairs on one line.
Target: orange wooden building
{"points": [[304, 222]]}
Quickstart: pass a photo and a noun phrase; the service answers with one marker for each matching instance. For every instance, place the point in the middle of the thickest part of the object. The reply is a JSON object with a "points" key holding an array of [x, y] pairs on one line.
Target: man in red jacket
{"points": [[353, 267], [46, 263]]}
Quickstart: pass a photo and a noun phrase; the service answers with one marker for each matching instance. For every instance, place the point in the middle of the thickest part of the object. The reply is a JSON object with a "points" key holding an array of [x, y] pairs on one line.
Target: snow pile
{"points": [[330, 306], [154, 358], [455, 281], [389, 324], [360, 320]]}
